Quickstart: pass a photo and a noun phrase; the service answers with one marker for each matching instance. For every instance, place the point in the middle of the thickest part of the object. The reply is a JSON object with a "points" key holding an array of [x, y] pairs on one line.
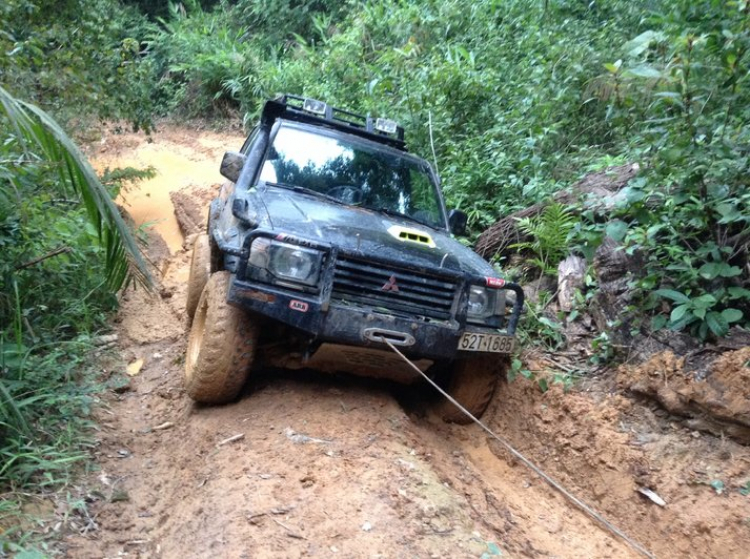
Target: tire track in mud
{"points": [[335, 467]]}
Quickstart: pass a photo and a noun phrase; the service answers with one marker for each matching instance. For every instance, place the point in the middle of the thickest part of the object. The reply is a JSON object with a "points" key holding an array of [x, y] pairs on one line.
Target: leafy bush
{"points": [[680, 90], [64, 55], [66, 250]]}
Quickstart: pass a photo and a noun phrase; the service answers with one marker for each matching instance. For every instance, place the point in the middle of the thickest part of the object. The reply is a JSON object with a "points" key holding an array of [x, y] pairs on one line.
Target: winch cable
{"points": [[529, 464]]}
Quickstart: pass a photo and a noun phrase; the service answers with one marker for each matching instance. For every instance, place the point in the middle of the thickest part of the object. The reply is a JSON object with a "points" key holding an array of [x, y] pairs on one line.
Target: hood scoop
{"points": [[410, 235]]}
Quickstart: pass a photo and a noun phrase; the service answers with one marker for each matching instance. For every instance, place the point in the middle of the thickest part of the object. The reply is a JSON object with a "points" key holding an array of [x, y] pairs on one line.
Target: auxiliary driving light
{"points": [[386, 126], [314, 106]]}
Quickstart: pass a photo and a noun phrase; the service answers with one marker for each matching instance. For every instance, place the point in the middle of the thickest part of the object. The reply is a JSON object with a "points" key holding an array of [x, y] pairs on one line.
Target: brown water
{"points": [[180, 160]]}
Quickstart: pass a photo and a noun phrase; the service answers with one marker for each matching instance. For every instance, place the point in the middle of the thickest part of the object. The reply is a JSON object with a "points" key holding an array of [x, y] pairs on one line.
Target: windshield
{"points": [[353, 174]]}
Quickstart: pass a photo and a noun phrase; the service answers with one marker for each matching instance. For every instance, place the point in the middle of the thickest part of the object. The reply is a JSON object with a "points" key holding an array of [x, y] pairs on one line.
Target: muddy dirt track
{"points": [[311, 465]]}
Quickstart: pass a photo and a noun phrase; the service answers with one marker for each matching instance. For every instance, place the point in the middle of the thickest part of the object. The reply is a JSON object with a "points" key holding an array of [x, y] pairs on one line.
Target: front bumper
{"points": [[348, 325], [328, 319]]}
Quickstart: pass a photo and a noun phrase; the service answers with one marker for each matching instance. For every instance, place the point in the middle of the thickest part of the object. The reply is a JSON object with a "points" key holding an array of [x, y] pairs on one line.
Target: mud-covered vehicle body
{"points": [[330, 239]]}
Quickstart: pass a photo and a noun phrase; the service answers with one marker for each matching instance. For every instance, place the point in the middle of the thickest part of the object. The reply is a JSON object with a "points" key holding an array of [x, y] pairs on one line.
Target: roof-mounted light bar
{"points": [[388, 130]]}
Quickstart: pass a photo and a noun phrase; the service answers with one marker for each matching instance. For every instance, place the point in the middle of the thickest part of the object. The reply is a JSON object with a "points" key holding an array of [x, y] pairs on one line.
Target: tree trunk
{"points": [[570, 273]]}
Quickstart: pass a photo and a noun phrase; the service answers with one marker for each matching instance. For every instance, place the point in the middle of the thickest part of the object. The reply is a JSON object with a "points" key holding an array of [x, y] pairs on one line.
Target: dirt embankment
{"points": [[309, 465]]}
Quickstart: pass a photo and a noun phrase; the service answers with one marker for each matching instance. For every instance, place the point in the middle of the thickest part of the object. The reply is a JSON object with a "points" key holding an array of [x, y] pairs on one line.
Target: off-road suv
{"points": [[330, 239]]}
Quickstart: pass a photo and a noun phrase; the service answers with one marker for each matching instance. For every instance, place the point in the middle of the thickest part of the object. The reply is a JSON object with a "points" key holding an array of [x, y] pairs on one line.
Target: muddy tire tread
{"points": [[473, 382], [200, 271], [227, 347]]}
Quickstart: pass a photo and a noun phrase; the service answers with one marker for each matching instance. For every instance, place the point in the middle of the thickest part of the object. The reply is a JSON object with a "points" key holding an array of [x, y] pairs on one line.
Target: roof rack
{"points": [[302, 108]]}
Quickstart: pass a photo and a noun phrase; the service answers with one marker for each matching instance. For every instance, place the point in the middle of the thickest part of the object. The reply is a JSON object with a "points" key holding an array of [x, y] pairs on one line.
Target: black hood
{"points": [[363, 231]]}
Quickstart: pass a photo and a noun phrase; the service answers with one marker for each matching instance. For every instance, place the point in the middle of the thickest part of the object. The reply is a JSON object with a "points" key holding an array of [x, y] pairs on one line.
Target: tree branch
{"points": [[56, 252]]}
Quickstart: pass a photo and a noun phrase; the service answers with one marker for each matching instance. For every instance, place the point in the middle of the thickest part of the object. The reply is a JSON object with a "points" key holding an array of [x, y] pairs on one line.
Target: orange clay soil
{"points": [[335, 467]]}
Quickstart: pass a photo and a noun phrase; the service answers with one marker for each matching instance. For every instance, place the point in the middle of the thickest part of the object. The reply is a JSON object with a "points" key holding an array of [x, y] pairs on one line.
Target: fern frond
{"points": [[549, 232]]}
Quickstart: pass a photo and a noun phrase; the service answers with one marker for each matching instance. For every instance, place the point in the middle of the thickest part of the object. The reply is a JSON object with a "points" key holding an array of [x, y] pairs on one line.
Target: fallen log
{"points": [[597, 190]]}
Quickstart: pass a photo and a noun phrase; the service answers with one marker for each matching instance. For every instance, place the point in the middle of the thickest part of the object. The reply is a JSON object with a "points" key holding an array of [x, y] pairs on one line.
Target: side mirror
{"points": [[232, 164], [457, 222]]}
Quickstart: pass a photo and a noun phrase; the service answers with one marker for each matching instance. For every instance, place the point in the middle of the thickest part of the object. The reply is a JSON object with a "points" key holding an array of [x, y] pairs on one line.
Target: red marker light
{"points": [[497, 283]]}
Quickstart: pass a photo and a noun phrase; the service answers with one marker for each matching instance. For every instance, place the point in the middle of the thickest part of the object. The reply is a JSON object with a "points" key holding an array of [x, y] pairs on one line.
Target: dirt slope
{"points": [[336, 467]]}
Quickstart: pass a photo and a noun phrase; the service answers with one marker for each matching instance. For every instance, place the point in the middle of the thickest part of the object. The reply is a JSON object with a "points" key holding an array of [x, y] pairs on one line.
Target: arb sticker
{"points": [[298, 305], [495, 282]]}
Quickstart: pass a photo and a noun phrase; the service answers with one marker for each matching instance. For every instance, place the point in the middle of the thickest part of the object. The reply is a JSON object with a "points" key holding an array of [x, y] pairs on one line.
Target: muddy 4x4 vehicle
{"points": [[330, 239]]}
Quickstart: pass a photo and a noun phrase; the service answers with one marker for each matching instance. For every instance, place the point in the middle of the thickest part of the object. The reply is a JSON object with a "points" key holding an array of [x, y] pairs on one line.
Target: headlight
{"points": [[484, 303], [286, 262], [479, 302]]}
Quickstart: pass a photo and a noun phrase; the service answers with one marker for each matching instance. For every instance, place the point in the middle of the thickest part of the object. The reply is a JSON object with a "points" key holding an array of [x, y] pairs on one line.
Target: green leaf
{"points": [[644, 71], [543, 384], [613, 68], [617, 230], [684, 321], [551, 323], [658, 322], [678, 312], [673, 295], [732, 315], [640, 44], [709, 271], [738, 293], [704, 301], [728, 271], [717, 323]]}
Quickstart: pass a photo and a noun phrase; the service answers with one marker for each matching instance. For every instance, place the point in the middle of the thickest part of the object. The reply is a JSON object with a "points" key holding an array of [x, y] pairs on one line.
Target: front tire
{"points": [[472, 383], [221, 346], [200, 271]]}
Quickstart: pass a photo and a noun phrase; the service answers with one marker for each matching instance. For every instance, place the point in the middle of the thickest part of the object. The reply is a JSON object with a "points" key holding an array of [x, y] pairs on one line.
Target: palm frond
{"points": [[123, 257]]}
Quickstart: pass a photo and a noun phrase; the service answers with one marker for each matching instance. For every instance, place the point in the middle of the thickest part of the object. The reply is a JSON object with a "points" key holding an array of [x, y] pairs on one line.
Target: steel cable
{"points": [[529, 464]]}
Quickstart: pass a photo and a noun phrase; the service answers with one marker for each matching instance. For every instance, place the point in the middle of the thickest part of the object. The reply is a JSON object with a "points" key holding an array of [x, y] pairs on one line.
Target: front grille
{"points": [[361, 283]]}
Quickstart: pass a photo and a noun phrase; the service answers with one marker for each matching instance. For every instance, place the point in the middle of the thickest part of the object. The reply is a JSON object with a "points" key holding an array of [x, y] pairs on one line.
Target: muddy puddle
{"points": [[180, 162]]}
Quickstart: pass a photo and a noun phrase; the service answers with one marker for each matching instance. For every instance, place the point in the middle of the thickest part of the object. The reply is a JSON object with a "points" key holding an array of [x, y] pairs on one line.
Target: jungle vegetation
{"points": [[512, 100]]}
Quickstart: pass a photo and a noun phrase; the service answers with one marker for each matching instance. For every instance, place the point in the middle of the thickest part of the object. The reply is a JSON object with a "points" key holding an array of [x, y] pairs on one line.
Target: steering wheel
{"points": [[347, 193]]}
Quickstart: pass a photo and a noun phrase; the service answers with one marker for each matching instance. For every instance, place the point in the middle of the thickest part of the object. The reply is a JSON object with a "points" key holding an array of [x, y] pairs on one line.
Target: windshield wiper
{"points": [[305, 190], [396, 213]]}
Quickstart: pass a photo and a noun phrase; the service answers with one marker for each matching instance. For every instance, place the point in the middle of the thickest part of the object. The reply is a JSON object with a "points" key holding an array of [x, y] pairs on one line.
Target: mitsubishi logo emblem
{"points": [[390, 285]]}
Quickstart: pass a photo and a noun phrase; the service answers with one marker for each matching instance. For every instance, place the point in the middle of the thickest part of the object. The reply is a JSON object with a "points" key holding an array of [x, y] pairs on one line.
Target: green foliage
{"points": [[39, 446], [197, 53], [550, 233], [66, 250], [33, 129], [501, 82], [537, 328], [543, 379], [681, 90], [305, 19], [64, 55], [602, 349]]}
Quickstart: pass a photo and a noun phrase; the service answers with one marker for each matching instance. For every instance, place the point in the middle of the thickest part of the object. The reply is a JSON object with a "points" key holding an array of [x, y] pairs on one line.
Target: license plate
{"points": [[490, 343]]}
